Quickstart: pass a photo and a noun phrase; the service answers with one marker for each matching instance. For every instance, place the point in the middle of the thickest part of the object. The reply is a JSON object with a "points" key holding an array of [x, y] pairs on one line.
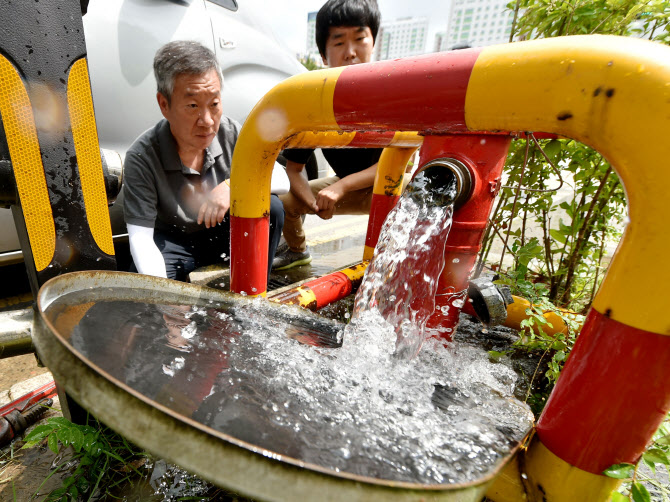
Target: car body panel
{"points": [[122, 37]]}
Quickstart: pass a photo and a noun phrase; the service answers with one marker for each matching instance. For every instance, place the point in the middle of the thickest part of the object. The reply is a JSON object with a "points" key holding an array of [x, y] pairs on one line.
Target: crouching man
{"points": [[177, 174], [345, 34]]}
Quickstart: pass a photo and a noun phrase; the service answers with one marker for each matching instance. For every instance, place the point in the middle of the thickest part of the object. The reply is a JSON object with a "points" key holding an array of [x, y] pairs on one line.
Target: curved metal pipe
{"points": [[15, 336], [608, 92]]}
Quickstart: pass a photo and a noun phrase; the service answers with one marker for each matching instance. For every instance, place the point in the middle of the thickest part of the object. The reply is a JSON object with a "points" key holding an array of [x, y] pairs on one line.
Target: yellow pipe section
{"points": [[561, 482], [325, 139], [301, 103], [613, 94], [312, 139]]}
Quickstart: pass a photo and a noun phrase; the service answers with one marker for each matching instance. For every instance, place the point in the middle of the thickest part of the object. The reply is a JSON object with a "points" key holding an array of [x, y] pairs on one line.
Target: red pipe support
{"points": [[595, 428], [249, 240], [381, 206], [485, 157]]}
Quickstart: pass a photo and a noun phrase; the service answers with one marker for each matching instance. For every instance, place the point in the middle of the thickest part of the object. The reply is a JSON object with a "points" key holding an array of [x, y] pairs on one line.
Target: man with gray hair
{"points": [[177, 174]]}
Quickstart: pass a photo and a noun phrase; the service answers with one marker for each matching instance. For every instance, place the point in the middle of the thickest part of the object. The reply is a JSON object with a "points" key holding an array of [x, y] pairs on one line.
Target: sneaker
{"points": [[289, 259], [282, 247]]}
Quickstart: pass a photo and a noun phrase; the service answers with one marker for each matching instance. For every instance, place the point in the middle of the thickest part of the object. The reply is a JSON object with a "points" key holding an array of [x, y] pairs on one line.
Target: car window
{"points": [[228, 4]]}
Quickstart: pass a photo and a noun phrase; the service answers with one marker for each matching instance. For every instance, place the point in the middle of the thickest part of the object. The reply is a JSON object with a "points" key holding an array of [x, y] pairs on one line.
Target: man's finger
{"points": [[220, 215], [201, 213], [209, 218]]}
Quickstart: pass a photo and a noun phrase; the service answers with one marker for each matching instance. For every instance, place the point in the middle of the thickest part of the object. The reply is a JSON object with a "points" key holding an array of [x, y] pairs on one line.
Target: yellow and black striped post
{"points": [[48, 134]]}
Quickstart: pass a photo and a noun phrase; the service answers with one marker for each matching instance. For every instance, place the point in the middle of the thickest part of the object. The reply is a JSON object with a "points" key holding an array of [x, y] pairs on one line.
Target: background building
{"points": [[401, 38], [312, 51], [440, 43], [478, 23]]}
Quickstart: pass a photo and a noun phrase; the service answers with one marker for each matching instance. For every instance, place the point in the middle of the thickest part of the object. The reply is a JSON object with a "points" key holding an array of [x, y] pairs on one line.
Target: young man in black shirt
{"points": [[345, 34]]}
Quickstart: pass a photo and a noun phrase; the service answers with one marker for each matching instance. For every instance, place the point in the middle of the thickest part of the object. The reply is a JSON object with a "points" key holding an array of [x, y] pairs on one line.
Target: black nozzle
{"points": [[434, 184], [442, 182]]}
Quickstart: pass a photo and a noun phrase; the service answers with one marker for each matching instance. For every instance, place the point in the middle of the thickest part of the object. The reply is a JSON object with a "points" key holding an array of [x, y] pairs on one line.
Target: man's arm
{"points": [[299, 185], [140, 211], [327, 198], [146, 255]]}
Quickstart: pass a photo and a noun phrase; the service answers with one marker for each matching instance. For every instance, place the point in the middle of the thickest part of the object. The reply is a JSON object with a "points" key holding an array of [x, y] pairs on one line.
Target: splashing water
{"points": [[445, 416], [402, 279]]}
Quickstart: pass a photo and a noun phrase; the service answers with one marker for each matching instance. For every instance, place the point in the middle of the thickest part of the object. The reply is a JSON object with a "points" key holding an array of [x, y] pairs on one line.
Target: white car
{"points": [[122, 37]]}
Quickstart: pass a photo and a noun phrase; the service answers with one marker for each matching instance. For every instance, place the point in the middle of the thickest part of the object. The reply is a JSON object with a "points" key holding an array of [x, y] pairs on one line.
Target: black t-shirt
{"points": [[344, 161]]}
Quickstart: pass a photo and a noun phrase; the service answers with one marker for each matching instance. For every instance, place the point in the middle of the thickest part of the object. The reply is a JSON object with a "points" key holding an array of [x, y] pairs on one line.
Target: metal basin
{"points": [[108, 338]]}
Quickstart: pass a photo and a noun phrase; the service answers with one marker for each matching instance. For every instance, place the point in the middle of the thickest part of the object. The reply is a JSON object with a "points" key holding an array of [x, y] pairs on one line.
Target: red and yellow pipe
{"points": [[322, 291], [398, 150], [610, 93]]}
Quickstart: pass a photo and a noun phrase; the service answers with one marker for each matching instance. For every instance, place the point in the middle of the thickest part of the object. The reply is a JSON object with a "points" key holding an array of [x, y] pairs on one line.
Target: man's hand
{"points": [[327, 198], [299, 186], [216, 205]]}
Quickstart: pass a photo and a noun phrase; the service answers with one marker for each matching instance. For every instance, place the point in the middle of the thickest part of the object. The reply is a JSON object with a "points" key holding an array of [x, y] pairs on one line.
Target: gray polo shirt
{"points": [[159, 191]]}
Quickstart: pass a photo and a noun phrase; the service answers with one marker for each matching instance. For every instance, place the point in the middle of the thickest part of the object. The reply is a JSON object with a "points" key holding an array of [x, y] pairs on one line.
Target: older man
{"points": [[177, 174]]}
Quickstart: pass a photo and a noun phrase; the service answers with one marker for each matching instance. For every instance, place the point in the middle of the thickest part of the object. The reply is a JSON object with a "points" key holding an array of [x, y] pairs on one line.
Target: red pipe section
{"points": [[380, 208], [484, 155], [246, 233], [374, 94], [594, 428]]}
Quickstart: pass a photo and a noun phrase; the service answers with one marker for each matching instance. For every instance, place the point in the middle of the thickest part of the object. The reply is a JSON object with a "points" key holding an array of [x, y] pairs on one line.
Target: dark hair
{"points": [[179, 57], [346, 13]]}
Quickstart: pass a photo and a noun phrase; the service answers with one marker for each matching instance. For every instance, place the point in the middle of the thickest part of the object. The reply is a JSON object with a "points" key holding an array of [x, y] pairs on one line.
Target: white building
{"points": [[401, 38], [440, 43], [311, 48], [478, 23]]}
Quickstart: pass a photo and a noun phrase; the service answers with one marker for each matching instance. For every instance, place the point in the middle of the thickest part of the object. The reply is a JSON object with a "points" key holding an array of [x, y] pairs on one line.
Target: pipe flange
{"points": [[464, 183]]}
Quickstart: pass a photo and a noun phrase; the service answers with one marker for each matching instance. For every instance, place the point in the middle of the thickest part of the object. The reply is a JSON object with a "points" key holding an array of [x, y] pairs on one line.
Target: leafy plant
{"points": [[570, 230], [538, 335], [98, 464], [101, 458], [637, 478], [561, 242]]}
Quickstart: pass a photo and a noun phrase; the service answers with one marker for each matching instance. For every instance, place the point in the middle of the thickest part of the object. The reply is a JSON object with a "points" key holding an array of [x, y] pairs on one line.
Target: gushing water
{"points": [[402, 279], [445, 416]]}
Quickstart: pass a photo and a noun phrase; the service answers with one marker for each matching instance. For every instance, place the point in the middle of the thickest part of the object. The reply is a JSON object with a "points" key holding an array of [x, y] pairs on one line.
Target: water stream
{"points": [[277, 380], [402, 278]]}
